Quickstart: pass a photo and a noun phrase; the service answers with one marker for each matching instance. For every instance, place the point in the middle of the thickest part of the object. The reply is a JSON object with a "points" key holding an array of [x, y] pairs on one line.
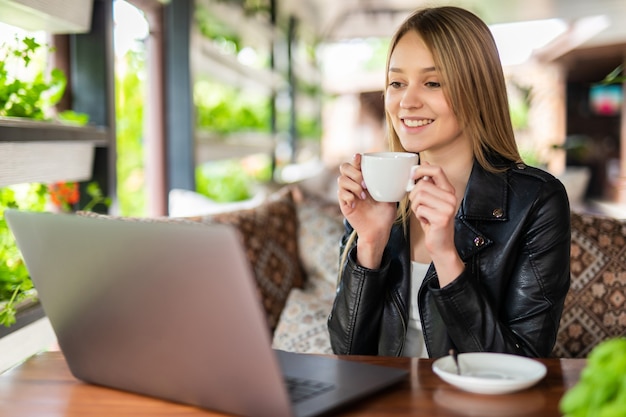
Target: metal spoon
{"points": [[455, 356]]}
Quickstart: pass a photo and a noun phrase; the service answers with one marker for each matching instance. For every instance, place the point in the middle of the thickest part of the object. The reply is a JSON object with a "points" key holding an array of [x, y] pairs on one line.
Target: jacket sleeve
{"points": [[353, 325], [527, 319]]}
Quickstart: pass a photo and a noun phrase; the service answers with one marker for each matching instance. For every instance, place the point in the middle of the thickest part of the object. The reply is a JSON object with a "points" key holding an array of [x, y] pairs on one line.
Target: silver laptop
{"points": [[171, 311]]}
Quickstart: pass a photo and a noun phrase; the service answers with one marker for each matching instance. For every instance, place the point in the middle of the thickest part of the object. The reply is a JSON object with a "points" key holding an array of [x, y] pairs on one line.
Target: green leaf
{"points": [[29, 94], [601, 389], [7, 316], [614, 76], [72, 117], [31, 44], [56, 88]]}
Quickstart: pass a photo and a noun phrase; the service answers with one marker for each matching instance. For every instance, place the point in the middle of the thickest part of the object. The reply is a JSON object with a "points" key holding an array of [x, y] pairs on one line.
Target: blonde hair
{"points": [[467, 59], [466, 56]]}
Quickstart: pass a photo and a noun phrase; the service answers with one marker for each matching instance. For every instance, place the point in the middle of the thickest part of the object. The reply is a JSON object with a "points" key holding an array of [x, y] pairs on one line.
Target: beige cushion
{"points": [[321, 228], [595, 307], [303, 323]]}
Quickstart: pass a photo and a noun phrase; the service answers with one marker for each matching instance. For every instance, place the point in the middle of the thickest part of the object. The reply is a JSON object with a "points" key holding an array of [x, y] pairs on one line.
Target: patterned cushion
{"points": [[321, 228], [303, 323], [269, 234], [595, 307]]}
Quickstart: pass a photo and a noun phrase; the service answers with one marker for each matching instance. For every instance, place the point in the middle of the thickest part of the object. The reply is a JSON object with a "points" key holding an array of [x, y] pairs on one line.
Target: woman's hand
{"points": [[372, 220], [434, 203]]}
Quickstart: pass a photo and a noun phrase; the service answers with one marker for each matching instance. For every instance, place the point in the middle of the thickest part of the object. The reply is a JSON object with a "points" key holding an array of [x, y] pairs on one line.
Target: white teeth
{"points": [[417, 123]]}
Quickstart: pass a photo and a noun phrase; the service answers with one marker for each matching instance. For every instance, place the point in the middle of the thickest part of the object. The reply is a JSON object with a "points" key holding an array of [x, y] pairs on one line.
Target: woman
{"points": [[476, 257]]}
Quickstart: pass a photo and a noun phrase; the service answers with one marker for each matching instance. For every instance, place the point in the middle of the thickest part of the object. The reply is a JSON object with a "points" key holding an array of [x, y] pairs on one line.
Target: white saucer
{"points": [[490, 373]]}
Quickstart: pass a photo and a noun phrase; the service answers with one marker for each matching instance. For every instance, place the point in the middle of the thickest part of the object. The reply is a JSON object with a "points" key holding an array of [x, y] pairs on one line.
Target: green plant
{"points": [[222, 181], [601, 390], [519, 107], [212, 28], [96, 195], [232, 180], [531, 157], [615, 76], [223, 109], [15, 283], [25, 89], [24, 97], [130, 87]]}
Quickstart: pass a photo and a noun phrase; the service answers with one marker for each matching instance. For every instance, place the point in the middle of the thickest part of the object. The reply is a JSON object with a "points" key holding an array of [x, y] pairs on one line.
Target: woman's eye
{"points": [[395, 84], [433, 84]]}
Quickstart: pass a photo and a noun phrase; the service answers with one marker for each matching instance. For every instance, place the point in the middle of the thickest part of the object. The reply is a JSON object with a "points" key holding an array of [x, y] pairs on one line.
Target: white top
{"points": [[414, 345]]}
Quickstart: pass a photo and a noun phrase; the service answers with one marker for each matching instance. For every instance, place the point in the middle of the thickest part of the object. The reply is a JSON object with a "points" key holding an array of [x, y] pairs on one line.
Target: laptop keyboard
{"points": [[302, 389]]}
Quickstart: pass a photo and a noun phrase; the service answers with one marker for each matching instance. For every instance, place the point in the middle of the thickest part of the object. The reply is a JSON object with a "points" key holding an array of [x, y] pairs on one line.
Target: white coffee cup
{"points": [[388, 175]]}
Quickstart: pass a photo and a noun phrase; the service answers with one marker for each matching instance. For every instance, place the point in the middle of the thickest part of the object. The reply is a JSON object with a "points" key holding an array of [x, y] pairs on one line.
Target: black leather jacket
{"points": [[513, 233]]}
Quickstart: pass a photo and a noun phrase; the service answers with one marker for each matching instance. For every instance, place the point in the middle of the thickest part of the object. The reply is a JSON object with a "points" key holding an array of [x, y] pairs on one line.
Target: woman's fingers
{"points": [[433, 200], [435, 174], [434, 211], [350, 183]]}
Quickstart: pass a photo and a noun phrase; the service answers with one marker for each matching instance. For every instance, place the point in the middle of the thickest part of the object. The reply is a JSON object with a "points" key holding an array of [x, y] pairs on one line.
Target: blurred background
{"points": [[227, 99]]}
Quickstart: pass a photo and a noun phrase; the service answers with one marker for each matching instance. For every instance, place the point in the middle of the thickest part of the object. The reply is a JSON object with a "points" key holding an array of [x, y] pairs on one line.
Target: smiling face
{"points": [[416, 104]]}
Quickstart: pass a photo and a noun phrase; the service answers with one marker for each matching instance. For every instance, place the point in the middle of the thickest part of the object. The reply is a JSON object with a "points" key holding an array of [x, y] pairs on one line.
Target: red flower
{"points": [[64, 194]]}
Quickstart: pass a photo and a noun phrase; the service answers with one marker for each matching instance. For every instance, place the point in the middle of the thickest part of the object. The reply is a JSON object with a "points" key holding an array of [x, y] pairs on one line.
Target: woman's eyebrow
{"points": [[423, 70]]}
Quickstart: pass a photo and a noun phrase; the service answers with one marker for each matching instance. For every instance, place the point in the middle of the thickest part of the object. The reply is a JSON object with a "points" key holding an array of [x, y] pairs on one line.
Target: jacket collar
{"points": [[485, 200], [485, 195]]}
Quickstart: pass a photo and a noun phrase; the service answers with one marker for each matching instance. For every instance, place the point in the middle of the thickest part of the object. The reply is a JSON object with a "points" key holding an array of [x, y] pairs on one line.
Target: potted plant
{"points": [[26, 91]]}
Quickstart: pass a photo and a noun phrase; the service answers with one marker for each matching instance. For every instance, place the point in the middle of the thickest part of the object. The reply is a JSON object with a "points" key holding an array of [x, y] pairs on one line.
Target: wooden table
{"points": [[43, 386]]}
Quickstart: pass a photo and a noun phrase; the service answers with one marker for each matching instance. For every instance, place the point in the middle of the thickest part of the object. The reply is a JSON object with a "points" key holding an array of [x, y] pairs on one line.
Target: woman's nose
{"points": [[411, 98]]}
